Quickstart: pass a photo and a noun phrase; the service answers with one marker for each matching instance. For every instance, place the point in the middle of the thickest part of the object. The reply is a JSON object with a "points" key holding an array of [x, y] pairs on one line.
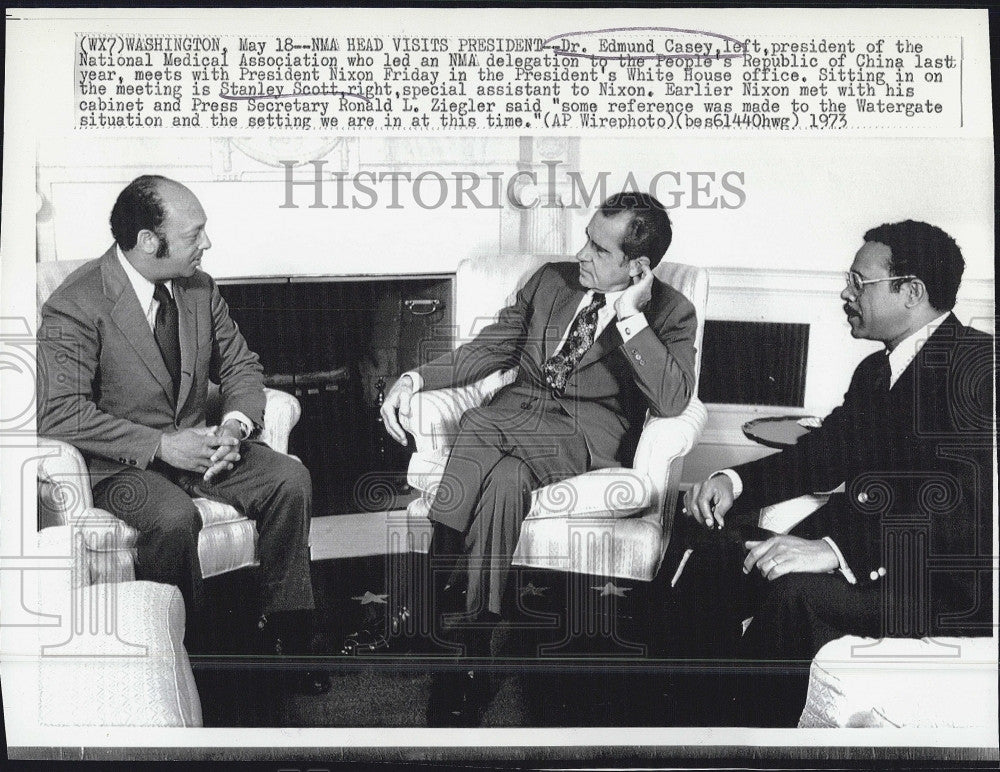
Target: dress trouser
{"points": [[269, 487], [500, 456], [792, 618]]}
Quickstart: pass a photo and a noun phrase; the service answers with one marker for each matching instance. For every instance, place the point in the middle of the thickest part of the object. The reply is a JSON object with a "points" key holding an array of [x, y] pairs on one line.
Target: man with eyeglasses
{"points": [[904, 550]]}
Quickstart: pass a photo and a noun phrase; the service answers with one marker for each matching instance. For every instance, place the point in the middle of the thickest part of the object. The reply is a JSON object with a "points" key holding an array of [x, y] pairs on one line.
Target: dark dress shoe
{"points": [[377, 634], [457, 699]]}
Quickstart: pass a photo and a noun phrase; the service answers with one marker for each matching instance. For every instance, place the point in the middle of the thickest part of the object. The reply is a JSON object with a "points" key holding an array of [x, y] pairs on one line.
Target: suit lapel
{"points": [[604, 344], [130, 319], [187, 330]]}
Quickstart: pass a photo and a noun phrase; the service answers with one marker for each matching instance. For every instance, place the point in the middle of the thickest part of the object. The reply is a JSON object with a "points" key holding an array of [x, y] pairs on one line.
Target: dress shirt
{"points": [[899, 359], [144, 289], [907, 350], [628, 328]]}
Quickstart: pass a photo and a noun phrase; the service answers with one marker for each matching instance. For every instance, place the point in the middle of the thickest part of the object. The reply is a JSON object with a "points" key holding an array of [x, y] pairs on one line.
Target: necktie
{"points": [[165, 332], [581, 337]]}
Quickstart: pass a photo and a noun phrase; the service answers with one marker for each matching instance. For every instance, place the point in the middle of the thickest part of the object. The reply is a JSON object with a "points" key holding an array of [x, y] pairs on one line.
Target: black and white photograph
{"points": [[591, 386]]}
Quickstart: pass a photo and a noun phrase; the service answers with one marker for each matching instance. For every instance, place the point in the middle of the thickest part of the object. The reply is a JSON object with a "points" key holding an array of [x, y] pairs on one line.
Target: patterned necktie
{"points": [[581, 337], [165, 332]]}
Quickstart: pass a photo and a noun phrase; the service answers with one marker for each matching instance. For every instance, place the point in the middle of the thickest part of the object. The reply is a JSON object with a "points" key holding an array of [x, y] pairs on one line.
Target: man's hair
{"points": [[924, 251], [649, 232], [138, 207]]}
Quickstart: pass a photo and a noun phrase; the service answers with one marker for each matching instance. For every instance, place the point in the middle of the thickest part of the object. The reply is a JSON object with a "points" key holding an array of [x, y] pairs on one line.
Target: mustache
{"points": [[849, 310]]}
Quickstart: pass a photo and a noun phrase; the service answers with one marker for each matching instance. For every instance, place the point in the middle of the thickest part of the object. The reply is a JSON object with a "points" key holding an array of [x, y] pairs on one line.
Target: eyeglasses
{"points": [[857, 285]]}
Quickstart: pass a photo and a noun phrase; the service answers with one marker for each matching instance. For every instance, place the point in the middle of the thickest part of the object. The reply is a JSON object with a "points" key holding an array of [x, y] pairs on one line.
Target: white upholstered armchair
{"points": [[609, 522], [228, 539]]}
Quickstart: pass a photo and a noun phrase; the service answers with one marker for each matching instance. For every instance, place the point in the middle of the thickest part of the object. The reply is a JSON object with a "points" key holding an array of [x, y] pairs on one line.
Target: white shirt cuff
{"points": [[245, 422], [734, 479], [632, 326], [841, 563], [418, 382]]}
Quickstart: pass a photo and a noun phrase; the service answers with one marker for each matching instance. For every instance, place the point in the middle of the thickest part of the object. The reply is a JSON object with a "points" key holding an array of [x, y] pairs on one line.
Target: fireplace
{"points": [[338, 344]]}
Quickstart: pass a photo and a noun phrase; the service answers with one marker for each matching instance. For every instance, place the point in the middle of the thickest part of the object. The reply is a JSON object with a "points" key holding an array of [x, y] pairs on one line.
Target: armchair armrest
{"points": [[281, 413], [435, 415], [63, 484], [662, 446], [665, 439], [102, 548]]}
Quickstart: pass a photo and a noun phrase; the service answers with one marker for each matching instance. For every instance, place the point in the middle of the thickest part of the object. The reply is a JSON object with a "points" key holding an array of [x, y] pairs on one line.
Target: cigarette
{"points": [[680, 568]]}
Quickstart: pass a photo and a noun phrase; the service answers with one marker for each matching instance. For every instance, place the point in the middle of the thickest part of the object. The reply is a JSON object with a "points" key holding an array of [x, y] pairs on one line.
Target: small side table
{"points": [[777, 431]]}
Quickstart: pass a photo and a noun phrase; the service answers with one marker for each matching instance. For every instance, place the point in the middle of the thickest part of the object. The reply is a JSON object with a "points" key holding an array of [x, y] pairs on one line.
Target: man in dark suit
{"points": [[596, 343], [127, 347], [905, 549]]}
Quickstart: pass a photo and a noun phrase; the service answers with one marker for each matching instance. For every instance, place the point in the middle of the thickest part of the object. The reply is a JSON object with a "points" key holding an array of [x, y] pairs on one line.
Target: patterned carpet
{"points": [[598, 667]]}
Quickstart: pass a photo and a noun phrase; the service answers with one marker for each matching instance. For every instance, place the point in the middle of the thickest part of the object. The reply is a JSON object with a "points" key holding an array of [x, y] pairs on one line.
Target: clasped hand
{"points": [[210, 450]]}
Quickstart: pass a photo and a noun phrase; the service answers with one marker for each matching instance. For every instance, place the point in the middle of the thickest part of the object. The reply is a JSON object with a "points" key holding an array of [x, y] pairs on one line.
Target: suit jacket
{"points": [[609, 391], [102, 383], [916, 462]]}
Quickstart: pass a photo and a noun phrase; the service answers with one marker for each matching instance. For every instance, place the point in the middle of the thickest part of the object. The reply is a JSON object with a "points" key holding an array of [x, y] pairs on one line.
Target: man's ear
{"points": [[147, 241], [636, 264], [916, 292]]}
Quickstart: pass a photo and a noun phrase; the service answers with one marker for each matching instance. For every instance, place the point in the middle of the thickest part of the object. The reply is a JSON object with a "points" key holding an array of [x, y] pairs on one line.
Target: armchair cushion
{"points": [[602, 493], [626, 548], [608, 493]]}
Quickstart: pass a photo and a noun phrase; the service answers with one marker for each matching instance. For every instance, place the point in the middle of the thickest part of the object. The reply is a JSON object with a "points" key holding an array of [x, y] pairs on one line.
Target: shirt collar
{"points": [[907, 350], [609, 297], [143, 287]]}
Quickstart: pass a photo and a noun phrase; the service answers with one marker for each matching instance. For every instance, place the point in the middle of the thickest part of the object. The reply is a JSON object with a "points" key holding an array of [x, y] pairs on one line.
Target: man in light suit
{"points": [[596, 342], [905, 549], [127, 347]]}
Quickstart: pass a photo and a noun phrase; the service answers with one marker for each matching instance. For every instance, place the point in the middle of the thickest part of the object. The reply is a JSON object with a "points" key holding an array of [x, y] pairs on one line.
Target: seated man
{"points": [[596, 343], [905, 549], [127, 347]]}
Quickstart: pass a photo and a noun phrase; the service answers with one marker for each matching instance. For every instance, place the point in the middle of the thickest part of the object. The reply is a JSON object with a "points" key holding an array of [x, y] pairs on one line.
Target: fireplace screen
{"points": [[338, 345]]}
